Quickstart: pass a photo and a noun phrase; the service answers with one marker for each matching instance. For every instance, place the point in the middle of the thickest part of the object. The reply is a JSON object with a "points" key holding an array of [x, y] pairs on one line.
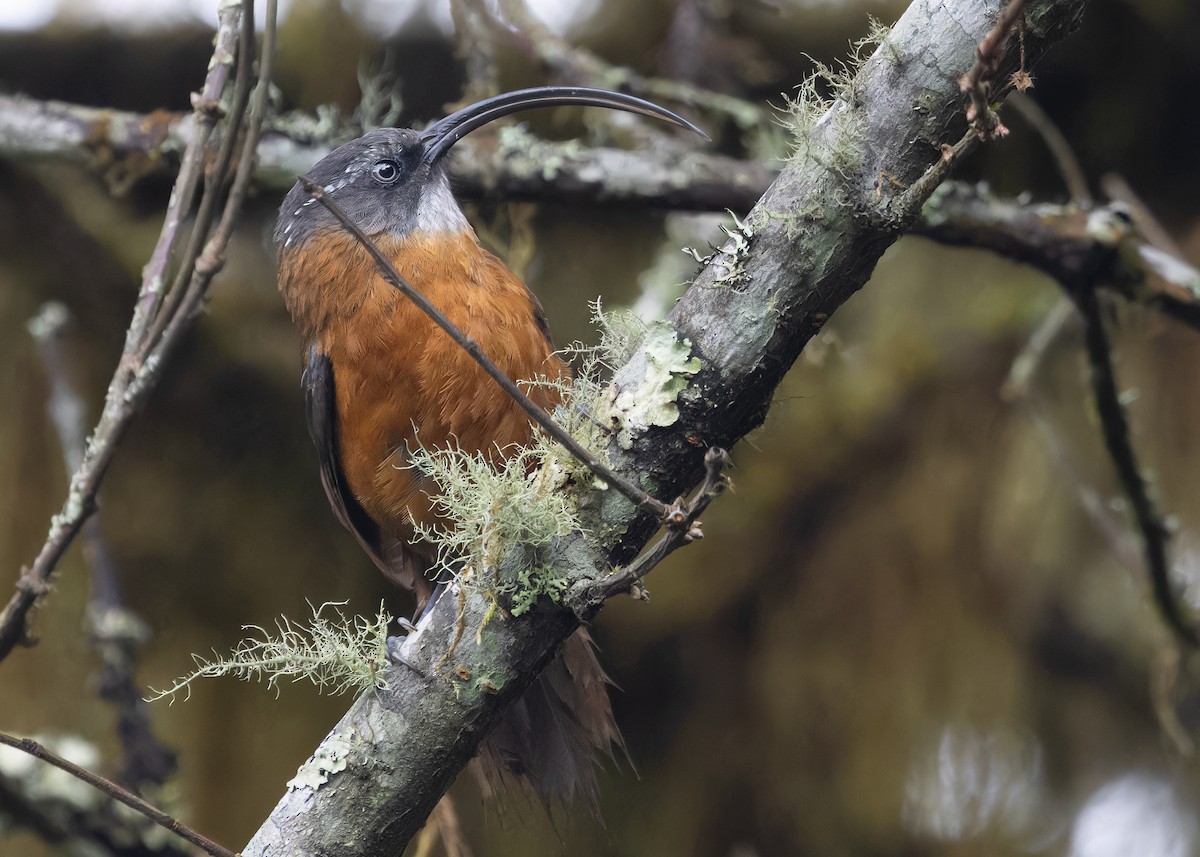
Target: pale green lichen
{"points": [[515, 141], [729, 260], [879, 35], [336, 653], [490, 502], [329, 759], [495, 500], [826, 127], [652, 402]]}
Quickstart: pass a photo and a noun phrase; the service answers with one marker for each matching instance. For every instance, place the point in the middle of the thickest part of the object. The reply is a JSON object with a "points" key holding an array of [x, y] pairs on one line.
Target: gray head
{"points": [[382, 183], [392, 180]]}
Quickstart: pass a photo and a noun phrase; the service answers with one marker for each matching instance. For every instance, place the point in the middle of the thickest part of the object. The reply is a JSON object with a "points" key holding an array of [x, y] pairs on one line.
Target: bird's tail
{"points": [[546, 744]]}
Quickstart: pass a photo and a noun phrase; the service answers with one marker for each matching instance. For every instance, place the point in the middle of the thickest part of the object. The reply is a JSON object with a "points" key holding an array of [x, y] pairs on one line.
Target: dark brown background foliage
{"points": [[903, 634]]}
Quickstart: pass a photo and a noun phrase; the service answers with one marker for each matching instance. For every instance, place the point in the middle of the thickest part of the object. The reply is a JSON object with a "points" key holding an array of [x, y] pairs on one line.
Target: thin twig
{"points": [[685, 530], [1029, 360], [907, 206], [212, 258], [977, 81], [117, 793], [215, 176], [389, 273], [1026, 364], [143, 357], [1062, 454], [1115, 428]]}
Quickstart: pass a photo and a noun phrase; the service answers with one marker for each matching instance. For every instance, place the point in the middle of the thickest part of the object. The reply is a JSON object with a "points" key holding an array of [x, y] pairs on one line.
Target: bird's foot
{"points": [[394, 645]]}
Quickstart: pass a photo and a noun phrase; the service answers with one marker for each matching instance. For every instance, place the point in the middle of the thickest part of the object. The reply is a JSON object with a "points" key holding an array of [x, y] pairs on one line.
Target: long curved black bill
{"points": [[441, 135]]}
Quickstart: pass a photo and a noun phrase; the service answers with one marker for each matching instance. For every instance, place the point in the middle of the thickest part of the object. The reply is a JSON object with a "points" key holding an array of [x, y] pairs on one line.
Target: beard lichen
{"points": [[500, 508], [335, 652]]}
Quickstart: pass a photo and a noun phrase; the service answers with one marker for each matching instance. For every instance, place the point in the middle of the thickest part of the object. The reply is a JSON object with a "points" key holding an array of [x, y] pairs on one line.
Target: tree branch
{"points": [[162, 313], [1084, 250], [128, 146], [117, 793], [1077, 247], [808, 244], [1115, 429]]}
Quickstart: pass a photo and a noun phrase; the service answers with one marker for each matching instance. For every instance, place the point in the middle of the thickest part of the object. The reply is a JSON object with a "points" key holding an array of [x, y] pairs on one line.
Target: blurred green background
{"points": [[903, 633]]}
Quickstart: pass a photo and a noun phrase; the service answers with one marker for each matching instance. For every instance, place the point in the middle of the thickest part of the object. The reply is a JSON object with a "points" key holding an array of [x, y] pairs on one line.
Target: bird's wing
{"points": [[398, 562], [320, 405]]}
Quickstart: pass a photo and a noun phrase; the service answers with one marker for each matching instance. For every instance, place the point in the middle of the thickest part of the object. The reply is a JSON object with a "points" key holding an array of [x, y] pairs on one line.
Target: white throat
{"points": [[437, 211]]}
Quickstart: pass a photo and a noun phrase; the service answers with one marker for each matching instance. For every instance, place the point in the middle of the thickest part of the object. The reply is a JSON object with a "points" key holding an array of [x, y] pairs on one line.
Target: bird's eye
{"points": [[385, 172]]}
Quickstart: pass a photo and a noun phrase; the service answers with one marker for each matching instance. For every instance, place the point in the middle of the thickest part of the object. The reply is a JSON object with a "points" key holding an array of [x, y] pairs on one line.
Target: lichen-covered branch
{"points": [[816, 235], [1078, 247], [807, 245], [127, 146]]}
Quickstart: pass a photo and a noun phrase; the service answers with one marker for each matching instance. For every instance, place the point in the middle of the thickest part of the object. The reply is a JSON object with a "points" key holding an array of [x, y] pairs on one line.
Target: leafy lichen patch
{"points": [[329, 759], [653, 401]]}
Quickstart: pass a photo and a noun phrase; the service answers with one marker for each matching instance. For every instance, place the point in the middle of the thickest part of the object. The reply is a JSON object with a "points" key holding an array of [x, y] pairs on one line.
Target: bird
{"points": [[380, 377]]}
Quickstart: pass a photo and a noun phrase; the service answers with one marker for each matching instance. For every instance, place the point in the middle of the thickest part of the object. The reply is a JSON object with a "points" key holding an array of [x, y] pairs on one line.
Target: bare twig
{"points": [[117, 793], [1026, 364], [1115, 531], [908, 204], [389, 273], [186, 279], [684, 531], [1030, 358], [977, 81], [150, 339], [1115, 428], [212, 258]]}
